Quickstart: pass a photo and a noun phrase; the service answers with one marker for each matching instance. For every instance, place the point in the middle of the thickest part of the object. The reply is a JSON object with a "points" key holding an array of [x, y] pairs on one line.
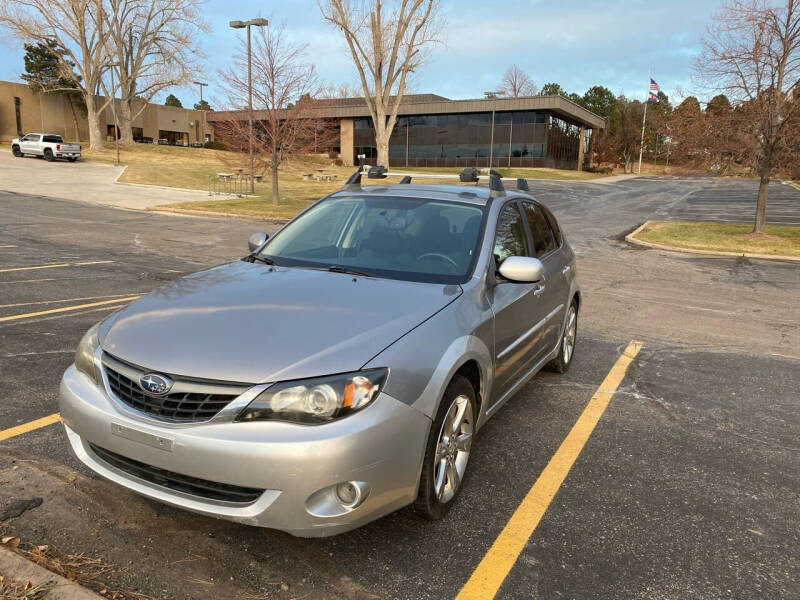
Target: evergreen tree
{"points": [[203, 105], [553, 89], [172, 100], [47, 72]]}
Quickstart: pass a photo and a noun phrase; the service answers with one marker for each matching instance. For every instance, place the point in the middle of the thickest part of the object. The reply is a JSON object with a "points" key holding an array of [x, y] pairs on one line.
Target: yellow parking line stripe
{"points": [[490, 573], [66, 309], [7, 434], [63, 300], [57, 266]]}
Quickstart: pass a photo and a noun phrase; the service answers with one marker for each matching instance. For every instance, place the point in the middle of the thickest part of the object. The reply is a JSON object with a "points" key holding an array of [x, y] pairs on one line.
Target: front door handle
{"points": [[537, 291], [566, 270]]}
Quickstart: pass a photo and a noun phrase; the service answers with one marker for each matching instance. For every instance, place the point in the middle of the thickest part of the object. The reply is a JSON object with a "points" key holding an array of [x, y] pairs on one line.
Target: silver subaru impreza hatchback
{"points": [[340, 370]]}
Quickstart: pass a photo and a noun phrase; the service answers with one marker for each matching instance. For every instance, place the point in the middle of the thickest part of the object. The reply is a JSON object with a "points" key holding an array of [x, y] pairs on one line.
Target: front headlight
{"points": [[317, 400], [84, 355]]}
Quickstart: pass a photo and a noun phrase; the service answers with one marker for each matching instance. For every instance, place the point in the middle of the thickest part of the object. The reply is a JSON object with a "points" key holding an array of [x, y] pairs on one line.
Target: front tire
{"points": [[17, 152], [48, 155], [566, 346], [448, 450]]}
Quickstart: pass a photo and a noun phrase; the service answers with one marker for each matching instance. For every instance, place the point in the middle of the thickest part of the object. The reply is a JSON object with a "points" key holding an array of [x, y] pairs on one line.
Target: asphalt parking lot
{"points": [[686, 488], [732, 200]]}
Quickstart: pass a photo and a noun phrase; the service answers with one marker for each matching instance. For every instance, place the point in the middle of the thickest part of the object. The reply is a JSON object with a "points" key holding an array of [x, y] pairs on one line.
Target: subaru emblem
{"points": [[153, 383]]}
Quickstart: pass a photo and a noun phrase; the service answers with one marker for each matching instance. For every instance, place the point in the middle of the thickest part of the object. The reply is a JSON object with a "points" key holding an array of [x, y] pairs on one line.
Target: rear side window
{"points": [[510, 238], [553, 224], [543, 238], [53, 139]]}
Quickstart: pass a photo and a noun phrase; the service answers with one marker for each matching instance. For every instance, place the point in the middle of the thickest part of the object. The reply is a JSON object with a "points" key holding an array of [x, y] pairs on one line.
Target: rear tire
{"points": [[447, 451], [566, 345], [17, 152], [48, 155]]}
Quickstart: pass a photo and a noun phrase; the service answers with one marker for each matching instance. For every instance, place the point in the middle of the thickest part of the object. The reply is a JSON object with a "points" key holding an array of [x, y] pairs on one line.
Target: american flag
{"points": [[654, 86]]}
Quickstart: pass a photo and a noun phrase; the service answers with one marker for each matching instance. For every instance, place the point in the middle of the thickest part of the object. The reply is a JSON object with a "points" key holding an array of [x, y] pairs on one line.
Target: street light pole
{"points": [[247, 25], [493, 96], [202, 85]]}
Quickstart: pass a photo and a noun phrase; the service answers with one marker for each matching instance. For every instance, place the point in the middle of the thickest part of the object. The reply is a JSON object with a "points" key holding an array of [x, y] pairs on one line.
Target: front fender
{"points": [[423, 362]]}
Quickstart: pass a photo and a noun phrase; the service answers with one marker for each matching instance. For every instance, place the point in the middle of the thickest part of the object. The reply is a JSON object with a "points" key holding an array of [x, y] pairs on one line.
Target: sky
{"points": [[576, 43]]}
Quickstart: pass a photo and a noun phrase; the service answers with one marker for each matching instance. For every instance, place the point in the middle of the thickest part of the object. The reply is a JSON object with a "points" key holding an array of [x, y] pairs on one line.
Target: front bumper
{"points": [[382, 445]]}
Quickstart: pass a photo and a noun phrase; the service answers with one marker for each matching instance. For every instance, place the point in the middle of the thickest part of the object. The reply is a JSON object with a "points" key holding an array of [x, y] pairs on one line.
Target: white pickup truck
{"points": [[47, 145]]}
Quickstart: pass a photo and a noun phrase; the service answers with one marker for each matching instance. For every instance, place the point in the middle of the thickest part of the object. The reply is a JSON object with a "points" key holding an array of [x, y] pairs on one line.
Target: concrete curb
{"points": [[631, 239], [17, 568]]}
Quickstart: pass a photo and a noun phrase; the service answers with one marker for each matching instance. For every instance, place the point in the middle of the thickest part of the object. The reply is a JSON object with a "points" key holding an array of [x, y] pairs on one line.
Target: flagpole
{"points": [[644, 119]]}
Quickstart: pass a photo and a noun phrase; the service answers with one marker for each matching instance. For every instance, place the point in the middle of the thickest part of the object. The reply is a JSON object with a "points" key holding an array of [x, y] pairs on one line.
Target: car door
{"points": [[555, 287], [30, 145], [518, 307]]}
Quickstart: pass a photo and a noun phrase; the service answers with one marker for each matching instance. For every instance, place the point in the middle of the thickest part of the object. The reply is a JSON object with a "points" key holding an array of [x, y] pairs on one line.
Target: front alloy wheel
{"points": [[448, 450], [566, 347]]}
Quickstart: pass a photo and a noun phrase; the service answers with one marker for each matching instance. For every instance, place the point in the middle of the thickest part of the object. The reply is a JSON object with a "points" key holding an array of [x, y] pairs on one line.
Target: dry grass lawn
{"points": [[191, 167], [723, 237]]}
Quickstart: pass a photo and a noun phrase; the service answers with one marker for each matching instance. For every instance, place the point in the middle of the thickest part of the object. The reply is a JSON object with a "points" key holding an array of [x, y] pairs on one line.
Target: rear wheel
{"points": [[566, 347], [448, 449], [48, 155], [17, 152]]}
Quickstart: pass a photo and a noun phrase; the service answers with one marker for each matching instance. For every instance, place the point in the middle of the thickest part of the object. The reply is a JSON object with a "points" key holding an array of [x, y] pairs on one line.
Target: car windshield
{"points": [[399, 238]]}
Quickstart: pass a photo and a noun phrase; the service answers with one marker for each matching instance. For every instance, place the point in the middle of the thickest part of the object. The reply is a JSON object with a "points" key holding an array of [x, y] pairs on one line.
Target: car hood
{"points": [[248, 322]]}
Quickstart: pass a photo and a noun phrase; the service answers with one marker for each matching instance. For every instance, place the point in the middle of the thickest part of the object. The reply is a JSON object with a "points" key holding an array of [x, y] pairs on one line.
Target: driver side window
{"points": [[510, 237]]}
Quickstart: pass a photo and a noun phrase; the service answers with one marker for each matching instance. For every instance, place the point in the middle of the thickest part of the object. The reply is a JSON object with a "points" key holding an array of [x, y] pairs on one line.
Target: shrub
{"points": [[333, 154], [215, 145], [338, 162]]}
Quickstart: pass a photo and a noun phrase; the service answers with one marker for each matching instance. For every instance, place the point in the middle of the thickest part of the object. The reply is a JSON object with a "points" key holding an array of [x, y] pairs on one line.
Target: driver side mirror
{"points": [[522, 269], [257, 240]]}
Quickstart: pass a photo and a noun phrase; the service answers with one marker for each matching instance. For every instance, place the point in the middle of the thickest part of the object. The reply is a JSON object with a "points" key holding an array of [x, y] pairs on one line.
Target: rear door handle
{"points": [[537, 291], [566, 270]]}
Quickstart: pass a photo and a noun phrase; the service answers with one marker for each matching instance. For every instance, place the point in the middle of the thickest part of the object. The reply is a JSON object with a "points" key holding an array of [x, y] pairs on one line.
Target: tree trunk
{"points": [[95, 133], [761, 204], [382, 142], [74, 117], [125, 122], [274, 169]]}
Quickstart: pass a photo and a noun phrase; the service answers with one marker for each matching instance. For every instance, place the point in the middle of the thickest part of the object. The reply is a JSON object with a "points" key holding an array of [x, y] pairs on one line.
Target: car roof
{"points": [[475, 194]]}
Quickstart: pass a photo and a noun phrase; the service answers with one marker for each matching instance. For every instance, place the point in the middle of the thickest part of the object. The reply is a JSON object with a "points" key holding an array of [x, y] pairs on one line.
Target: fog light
{"points": [[349, 493]]}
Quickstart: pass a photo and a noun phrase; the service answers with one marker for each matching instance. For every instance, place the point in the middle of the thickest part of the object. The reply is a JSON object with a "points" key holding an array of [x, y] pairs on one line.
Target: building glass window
{"points": [[521, 139]]}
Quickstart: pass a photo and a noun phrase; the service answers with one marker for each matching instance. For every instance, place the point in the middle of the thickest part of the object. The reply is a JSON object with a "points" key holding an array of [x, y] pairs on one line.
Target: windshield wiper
{"points": [[263, 259], [347, 270]]}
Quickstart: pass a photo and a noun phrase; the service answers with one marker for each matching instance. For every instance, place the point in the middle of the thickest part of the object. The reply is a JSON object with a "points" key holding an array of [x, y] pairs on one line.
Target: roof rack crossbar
{"points": [[405, 179], [522, 185]]}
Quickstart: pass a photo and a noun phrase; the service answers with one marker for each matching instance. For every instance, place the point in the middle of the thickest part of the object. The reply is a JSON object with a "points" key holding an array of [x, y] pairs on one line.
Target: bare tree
{"points": [[624, 130], [752, 53], [342, 90], [387, 44], [516, 83], [283, 87], [153, 44], [73, 24]]}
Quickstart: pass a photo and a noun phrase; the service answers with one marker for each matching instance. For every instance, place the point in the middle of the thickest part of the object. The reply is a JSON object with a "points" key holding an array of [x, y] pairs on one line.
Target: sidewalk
{"points": [[85, 182]]}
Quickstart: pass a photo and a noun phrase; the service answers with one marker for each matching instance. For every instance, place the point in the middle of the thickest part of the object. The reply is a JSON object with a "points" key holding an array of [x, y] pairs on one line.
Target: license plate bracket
{"points": [[142, 437]]}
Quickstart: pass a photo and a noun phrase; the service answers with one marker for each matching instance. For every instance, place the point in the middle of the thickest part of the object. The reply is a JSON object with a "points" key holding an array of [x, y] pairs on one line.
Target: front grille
{"points": [[177, 406], [203, 488]]}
